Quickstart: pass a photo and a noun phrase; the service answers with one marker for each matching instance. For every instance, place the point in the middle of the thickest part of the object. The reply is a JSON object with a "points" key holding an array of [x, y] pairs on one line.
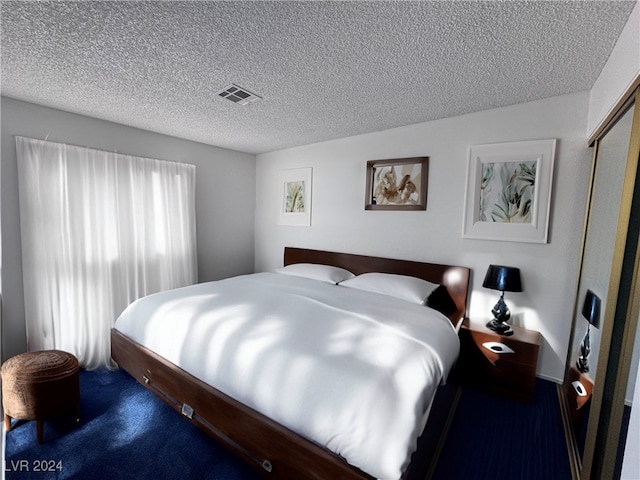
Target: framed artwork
{"points": [[397, 184], [294, 197], [508, 194]]}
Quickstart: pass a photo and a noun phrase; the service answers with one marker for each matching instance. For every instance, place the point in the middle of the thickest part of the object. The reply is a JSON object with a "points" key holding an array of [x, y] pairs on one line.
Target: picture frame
{"points": [[508, 191], [397, 184], [294, 196]]}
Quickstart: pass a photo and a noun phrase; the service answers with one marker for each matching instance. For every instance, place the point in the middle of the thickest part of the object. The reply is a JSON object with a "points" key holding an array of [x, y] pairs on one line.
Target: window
{"points": [[99, 230]]}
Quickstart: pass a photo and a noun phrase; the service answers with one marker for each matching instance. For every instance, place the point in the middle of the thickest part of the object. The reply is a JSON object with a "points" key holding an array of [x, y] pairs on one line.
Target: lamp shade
{"points": [[591, 308], [505, 279]]}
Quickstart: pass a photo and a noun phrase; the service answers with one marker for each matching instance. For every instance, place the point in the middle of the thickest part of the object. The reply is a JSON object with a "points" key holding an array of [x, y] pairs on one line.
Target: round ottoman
{"points": [[40, 385]]}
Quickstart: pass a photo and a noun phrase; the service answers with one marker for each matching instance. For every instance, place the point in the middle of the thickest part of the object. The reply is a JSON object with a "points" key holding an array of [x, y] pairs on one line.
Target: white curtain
{"points": [[99, 230]]}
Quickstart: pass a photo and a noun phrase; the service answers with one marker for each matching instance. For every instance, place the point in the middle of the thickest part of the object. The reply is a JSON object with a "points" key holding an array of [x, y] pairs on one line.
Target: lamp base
{"points": [[582, 364], [500, 327]]}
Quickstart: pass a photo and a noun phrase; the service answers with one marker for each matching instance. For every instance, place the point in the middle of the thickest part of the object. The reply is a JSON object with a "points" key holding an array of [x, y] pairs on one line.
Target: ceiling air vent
{"points": [[238, 95]]}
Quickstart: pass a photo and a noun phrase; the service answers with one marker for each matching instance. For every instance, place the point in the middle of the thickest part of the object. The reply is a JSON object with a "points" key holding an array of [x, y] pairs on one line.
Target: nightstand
{"points": [[502, 365], [578, 388]]}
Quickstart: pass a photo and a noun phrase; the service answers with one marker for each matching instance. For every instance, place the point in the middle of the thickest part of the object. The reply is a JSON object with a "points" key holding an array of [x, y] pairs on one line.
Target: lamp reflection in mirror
{"points": [[590, 311], [504, 279]]}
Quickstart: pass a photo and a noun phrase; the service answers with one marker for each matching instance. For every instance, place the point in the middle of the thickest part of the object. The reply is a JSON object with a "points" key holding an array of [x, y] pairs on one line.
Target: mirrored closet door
{"points": [[601, 371]]}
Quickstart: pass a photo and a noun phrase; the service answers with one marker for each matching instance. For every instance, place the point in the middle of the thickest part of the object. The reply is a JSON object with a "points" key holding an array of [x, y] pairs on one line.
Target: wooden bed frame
{"points": [[274, 450]]}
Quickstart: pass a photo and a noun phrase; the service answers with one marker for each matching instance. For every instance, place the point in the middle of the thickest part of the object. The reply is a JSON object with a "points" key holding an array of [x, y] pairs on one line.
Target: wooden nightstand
{"points": [[503, 365], [578, 388]]}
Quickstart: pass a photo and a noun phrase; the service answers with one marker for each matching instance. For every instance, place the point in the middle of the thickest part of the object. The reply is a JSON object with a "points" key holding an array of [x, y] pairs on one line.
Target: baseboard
{"points": [[550, 379]]}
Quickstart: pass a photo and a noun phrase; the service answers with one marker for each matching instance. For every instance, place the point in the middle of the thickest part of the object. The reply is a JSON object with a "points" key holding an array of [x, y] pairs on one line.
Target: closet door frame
{"points": [[620, 319]]}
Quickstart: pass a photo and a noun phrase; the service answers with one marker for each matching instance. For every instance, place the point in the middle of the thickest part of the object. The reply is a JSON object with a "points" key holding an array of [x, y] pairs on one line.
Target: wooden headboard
{"points": [[454, 278]]}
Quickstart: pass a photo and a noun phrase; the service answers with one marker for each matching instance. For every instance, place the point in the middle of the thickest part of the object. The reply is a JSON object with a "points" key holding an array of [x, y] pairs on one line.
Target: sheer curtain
{"points": [[99, 230]]}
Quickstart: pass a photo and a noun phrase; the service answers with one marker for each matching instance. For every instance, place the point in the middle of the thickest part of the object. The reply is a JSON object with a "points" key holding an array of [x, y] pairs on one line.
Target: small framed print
{"points": [[397, 184], [295, 197], [508, 194]]}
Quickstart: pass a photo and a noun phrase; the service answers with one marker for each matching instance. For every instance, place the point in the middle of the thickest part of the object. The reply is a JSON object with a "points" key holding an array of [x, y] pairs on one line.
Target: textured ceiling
{"points": [[325, 70]]}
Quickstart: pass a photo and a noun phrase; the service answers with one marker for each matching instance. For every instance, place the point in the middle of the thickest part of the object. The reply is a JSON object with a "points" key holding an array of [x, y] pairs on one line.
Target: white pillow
{"points": [[411, 289], [324, 273]]}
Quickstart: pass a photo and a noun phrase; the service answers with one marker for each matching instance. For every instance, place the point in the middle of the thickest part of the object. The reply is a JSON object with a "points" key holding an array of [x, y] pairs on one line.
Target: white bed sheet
{"points": [[353, 371]]}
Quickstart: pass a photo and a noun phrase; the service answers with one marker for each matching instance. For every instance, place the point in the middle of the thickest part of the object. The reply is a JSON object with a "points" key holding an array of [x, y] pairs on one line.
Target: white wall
{"points": [[620, 71], [225, 196], [631, 460], [340, 223]]}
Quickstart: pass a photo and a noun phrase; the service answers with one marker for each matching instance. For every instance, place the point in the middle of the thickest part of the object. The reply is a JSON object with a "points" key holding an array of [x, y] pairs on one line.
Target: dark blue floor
{"points": [[497, 439], [125, 432]]}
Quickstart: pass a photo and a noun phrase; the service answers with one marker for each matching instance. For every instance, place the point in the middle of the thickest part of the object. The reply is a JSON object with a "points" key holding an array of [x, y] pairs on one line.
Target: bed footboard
{"points": [[272, 449]]}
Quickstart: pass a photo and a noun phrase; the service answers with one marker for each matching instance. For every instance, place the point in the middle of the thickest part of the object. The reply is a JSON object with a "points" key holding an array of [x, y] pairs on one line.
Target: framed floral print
{"points": [[294, 197], [397, 184], [508, 193]]}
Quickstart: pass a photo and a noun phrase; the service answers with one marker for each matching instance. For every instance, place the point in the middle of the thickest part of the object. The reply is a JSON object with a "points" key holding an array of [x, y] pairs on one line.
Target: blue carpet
{"points": [[126, 432], [497, 439]]}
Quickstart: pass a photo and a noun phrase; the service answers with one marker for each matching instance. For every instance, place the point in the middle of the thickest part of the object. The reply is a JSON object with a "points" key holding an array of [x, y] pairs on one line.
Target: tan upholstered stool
{"points": [[40, 385]]}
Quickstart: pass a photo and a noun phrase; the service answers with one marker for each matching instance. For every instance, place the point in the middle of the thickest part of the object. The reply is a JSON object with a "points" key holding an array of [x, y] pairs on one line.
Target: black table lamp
{"points": [[590, 311], [504, 279]]}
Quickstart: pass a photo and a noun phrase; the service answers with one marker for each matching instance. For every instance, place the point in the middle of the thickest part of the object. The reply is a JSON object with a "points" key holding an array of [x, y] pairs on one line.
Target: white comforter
{"points": [[350, 370]]}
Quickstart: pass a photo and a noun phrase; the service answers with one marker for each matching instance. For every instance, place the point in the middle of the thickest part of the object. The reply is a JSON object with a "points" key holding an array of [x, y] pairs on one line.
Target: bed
{"points": [[303, 409]]}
